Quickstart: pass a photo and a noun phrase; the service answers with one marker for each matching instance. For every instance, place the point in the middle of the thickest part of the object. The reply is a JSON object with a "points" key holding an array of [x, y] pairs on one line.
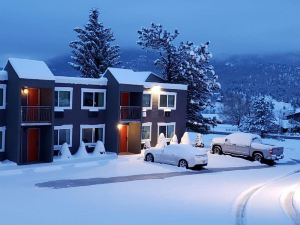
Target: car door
{"points": [[167, 156], [242, 149], [228, 146]]}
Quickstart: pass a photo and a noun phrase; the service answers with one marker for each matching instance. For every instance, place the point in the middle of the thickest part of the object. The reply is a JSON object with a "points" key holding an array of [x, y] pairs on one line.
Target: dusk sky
{"points": [[42, 29]]}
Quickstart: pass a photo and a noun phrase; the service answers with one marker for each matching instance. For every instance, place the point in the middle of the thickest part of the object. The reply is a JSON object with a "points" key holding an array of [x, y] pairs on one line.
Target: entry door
{"points": [[33, 97], [123, 139], [124, 99], [33, 144]]}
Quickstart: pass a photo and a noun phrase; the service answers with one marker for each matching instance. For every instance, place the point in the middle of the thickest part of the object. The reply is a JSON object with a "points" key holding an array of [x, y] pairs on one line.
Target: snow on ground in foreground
{"points": [[208, 197]]}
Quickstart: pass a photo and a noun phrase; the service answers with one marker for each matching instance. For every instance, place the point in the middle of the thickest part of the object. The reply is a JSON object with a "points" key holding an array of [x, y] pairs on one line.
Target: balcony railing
{"points": [[130, 112], [36, 114]]}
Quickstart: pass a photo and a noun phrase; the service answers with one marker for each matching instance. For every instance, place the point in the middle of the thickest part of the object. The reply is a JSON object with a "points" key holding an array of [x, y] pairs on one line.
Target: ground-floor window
{"points": [[168, 129], [63, 134], [2, 139], [146, 132], [90, 134]]}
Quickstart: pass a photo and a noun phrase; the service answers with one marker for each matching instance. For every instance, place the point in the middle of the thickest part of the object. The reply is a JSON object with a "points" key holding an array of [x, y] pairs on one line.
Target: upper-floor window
{"points": [[63, 134], [63, 98], [147, 100], [2, 139], [2, 96], [167, 100], [90, 134], [93, 99], [146, 132], [168, 129]]}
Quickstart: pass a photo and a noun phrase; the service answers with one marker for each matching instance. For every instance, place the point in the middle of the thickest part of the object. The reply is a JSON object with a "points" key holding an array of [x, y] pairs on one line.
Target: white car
{"points": [[181, 155]]}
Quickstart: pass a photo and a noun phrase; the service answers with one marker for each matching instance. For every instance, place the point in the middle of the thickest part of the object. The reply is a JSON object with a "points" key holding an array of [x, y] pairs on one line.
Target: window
{"points": [[167, 100], [168, 129], [146, 132], [63, 98], [2, 96], [93, 99], [62, 134], [147, 100], [90, 134], [2, 139]]}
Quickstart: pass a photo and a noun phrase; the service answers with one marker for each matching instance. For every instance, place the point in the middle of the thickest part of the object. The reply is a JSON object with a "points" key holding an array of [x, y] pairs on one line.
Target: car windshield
{"points": [[256, 140]]}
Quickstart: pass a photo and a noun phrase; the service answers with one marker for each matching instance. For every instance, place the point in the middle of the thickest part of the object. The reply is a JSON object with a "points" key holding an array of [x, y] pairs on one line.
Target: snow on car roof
{"points": [[241, 138], [31, 69]]}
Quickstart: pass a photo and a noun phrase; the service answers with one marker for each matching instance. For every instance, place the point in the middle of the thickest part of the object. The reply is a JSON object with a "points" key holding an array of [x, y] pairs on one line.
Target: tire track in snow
{"points": [[287, 201], [244, 197]]}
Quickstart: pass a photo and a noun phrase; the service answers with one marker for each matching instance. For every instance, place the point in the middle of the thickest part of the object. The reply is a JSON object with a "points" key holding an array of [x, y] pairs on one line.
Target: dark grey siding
{"points": [[178, 116], [3, 122], [77, 116]]}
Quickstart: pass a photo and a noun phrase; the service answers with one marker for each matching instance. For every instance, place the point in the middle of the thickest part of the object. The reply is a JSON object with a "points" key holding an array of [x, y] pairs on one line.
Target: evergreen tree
{"points": [[187, 64], [93, 52], [261, 118]]}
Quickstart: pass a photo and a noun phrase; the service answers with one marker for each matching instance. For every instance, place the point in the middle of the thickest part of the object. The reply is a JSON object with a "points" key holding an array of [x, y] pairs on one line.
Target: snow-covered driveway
{"points": [[212, 196]]}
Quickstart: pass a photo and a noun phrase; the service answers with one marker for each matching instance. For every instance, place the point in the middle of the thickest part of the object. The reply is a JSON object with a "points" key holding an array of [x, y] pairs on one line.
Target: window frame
{"points": [[3, 129], [95, 126], [62, 108], [147, 107], [168, 94], [3, 87], [166, 125], [64, 127], [146, 125], [90, 90]]}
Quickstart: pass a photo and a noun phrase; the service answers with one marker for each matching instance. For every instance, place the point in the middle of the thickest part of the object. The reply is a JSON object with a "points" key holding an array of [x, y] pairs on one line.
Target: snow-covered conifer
{"points": [[174, 140], [199, 141], [161, 142]]}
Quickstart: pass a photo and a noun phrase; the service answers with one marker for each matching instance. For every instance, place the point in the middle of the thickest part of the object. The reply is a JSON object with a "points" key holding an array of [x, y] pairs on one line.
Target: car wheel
{"points": [[258, 157], [183, 163], [149, 158], [217, 150]]}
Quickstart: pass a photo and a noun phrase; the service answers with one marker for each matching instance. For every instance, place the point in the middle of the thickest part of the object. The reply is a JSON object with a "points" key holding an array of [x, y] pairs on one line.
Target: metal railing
{"points": [[36, 114], [130, 112]]}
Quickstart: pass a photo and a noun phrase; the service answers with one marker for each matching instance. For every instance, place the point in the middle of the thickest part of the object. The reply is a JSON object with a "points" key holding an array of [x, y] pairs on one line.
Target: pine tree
{"points": [[187, 64], [261, 118], [93, 52]]}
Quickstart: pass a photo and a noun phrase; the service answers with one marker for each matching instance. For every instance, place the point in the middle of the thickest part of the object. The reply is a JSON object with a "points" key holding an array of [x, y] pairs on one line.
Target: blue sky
{"points": [[43, 29]]}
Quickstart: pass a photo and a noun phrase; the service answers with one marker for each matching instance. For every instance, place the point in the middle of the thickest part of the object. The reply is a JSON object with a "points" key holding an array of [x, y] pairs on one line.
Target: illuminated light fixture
{"points": [[155, 89], [119, 126], [25, 91]]}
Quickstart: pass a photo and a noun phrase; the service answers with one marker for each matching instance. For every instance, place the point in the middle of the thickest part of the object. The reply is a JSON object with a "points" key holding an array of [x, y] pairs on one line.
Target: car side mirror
{"points": [[226, 140]]}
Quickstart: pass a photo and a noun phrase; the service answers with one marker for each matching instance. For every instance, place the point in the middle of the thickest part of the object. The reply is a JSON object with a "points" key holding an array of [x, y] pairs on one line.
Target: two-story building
{"points": [[123, 109]]}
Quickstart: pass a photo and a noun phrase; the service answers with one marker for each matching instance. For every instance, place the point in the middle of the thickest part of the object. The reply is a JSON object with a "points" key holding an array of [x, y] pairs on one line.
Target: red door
{"points": [[33, 144], [124, 99], [33, 97], [123, 139]]}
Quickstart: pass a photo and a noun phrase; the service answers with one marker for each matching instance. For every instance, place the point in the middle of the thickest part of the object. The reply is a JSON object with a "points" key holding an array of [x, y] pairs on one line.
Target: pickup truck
{"points": [[246, 145]]}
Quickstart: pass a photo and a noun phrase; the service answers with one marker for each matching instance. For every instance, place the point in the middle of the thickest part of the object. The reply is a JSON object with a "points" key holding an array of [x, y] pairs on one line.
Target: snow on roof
{"points": [[31, 69], [80, 80], [128, 76], [3, 75]]}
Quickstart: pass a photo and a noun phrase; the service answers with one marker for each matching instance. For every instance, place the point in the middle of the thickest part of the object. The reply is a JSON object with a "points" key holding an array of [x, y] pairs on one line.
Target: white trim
{"points": [[148, 93], [3, 87], [93, 127], [90, 90], [35, 124], [62, 108], [148, 124], [2, 129], [64, 127], [81, 80], [166, 86], [167, 93], [166, 124]]}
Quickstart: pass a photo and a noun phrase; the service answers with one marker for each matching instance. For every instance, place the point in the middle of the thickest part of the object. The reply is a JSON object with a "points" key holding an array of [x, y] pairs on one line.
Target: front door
{"points": [[33, 97], [123, 146], [33, 144]]}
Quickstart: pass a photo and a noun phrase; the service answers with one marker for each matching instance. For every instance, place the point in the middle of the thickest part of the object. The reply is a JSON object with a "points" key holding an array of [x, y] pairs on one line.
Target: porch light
{"points": [[155, 89], [119, 126], [25, 91]]}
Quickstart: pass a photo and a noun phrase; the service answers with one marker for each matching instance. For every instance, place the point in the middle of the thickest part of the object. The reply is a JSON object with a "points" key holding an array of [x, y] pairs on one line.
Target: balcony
{"points": [[36, 114], [130, 113]]}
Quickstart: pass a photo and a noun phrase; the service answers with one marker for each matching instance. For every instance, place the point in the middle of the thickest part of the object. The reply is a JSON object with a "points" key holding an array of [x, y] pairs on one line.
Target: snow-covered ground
{"points": [[128, 190]]}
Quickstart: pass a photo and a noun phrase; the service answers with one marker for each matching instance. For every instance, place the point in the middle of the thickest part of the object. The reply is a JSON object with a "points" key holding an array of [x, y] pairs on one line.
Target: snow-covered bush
{"points": [[99, 149], [147, 144], [161, 142], [199, 141], [65, 152], [186, 139], [174, 140], [81, 153]]}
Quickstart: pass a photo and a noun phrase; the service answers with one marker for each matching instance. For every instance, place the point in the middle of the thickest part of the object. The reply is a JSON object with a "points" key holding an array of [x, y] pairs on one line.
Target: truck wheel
{"points": [[149, 158], [217, 150], [257, 156]]}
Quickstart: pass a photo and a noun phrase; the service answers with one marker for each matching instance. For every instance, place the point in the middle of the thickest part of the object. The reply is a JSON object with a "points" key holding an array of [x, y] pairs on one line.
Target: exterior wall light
{"points": [[155, 89], [25, 91], [119, 126]]}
